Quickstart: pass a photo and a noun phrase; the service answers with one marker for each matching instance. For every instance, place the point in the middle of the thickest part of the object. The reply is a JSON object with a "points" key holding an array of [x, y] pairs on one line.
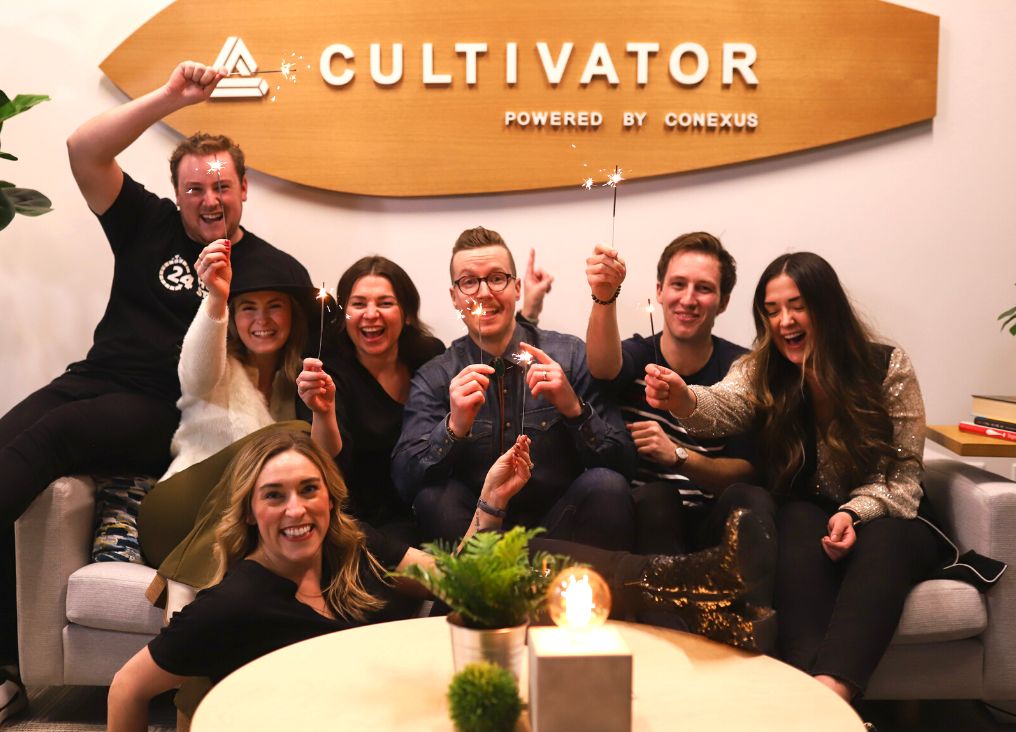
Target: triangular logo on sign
{"points": [[237, 59]]}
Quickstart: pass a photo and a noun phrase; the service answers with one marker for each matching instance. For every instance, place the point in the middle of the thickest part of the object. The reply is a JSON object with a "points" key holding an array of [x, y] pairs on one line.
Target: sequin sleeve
{"points": [[724, 408], [896, 490]]}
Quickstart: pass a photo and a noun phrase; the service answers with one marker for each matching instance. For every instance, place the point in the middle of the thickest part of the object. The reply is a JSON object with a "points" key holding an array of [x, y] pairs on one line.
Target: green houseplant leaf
{"points": [[6, 211], [20, 103], [27, 202], [14, 200], [492, 582]]}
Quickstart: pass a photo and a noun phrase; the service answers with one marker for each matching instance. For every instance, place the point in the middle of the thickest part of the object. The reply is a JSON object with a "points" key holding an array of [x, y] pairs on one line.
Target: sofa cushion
{"points": [[111, 596], [942, 610]]}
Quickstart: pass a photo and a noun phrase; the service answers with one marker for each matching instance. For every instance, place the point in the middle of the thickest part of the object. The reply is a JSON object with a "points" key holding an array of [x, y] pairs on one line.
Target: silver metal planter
{"points": [[503, 646]]}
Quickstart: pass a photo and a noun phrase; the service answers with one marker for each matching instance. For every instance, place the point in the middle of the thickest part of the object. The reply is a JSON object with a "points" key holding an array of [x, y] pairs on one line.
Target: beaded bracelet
{"points": [[598, 301]]}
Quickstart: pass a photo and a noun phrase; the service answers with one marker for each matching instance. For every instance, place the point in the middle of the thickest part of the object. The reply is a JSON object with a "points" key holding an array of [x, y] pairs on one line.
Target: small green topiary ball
{"points": [[483, 697]]}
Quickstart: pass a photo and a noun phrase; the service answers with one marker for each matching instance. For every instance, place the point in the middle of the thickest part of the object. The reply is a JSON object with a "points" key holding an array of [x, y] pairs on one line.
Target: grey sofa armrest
{"points": [[52, 539], [978, 510]]}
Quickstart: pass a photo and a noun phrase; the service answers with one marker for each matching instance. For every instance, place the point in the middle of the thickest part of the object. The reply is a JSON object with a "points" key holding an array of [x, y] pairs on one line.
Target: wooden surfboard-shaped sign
{"points": [[395, 98]]}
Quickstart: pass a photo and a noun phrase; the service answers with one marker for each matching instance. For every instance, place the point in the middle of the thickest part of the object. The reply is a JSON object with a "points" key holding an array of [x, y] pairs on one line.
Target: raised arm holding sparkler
{"points": [[605, 271], [94, 146]]}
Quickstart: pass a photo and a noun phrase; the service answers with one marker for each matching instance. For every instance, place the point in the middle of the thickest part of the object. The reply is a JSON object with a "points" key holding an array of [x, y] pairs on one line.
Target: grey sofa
{"points": [[80, 621]]}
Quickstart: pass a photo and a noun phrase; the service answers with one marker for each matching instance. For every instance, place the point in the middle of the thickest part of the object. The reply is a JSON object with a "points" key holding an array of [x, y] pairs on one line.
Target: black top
{"points": [[154, 294], [630, 385], [253, 612], [370, 422]]}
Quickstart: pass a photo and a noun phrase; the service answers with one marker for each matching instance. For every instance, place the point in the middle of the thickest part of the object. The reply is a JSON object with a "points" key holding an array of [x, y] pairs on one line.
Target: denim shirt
{"points": [[561, 448]]}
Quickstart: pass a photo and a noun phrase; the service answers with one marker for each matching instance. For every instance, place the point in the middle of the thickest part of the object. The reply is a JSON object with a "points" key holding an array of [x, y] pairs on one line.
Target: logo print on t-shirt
{"points": [[176, 275]]}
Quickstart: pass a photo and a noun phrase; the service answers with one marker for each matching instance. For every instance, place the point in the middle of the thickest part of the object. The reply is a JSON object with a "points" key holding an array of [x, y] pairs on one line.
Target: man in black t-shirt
{"points": [[685, 487], [115, 410]]}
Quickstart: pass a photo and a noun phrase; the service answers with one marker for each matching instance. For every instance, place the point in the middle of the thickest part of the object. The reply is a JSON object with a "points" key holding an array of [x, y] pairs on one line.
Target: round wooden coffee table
{"points": [[394, 676]]}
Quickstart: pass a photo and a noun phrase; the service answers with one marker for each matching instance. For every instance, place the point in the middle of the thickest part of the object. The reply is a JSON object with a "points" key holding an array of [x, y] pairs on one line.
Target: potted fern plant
{"points": [[494, 589]]}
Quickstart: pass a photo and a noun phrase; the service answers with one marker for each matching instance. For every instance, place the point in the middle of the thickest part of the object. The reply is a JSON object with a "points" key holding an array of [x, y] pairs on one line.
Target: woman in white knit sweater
{"points": [[234, 384], [240, 372]]}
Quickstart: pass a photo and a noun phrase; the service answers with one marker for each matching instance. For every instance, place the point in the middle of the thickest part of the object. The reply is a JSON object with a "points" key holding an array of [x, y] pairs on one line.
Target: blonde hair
{"points": [[345, 543]]}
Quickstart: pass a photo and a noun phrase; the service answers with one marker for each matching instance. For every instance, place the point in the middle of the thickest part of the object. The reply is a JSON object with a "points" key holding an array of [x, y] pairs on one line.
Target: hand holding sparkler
{"points": [[605, 271], [665, 389], [508, 474], [467, 392], [546, 378], [192, 82], [315, 387], [535, 286], [216, 273]]}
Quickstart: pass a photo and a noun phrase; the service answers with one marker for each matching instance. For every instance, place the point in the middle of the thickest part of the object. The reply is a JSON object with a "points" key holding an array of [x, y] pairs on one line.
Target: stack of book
{"points": [[994, 416]]}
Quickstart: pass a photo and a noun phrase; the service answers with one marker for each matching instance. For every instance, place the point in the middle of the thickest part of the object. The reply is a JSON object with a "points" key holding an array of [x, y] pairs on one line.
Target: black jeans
{"points": [[837, 618], [596, 510], [75, 425], [666, 526]]}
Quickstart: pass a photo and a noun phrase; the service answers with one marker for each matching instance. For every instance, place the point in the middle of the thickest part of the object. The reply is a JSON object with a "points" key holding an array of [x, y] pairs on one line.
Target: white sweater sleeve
{"points": [[203, 355]]}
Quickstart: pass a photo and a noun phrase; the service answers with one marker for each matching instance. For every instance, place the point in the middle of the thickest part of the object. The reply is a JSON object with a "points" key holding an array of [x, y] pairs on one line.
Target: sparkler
{"points": [[652, 328], [524, 360], [283, 71], [216, 166], [479, 311], [322, 295], [612, 180]]}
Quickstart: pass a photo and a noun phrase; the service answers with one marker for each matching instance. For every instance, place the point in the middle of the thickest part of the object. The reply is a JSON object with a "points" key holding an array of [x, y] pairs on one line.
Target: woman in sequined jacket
{"points": [[840, 424]]}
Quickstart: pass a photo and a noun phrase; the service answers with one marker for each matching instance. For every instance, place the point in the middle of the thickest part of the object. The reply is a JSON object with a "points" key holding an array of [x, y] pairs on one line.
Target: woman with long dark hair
{"points": [[839, 421], [372, 354]]}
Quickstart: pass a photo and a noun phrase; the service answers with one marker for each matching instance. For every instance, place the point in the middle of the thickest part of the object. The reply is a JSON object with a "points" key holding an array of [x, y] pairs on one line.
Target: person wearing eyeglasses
{"points": [[468, 406]]}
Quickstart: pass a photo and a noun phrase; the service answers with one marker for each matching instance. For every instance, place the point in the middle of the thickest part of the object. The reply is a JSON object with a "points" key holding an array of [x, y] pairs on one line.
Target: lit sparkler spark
{"points": [[216, 166], [614, 178], [286, 69], [322, 295], [523, 358], [588, 184], [478, 310]]}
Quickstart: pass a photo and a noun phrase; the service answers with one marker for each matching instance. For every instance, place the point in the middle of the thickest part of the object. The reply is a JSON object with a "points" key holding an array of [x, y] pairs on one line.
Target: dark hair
{"points": [[847, 363], [477, 238], [700, 241], [201, 143], [413, 329]]}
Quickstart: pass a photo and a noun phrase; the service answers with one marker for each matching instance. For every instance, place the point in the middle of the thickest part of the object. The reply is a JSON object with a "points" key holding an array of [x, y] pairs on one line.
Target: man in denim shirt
{"points": [[467, 406]]}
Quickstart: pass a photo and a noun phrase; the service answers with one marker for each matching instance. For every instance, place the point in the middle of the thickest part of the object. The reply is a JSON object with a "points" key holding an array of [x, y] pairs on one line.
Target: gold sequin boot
{"points": [[716, 591]]}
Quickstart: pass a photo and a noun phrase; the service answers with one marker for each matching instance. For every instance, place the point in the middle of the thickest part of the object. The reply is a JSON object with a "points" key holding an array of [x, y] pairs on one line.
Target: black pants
{"points": [[596, 509], [837, 618], [665, 525], [75, 425]]}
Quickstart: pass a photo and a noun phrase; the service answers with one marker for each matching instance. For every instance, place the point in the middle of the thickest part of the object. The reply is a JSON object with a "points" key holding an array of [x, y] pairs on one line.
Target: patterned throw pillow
{"points": [[117, 501]]}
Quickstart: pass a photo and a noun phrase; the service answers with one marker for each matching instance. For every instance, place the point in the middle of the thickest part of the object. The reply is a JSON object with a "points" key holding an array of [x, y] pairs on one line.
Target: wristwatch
{"points": [[681, 455]]}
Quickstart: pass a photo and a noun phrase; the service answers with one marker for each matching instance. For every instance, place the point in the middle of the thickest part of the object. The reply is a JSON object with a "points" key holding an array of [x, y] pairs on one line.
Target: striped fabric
{"points": [[117, 501], [629, 390]]}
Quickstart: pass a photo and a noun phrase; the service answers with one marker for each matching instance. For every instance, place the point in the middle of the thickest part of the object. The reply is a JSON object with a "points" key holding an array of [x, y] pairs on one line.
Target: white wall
{"points": [[919, 223]]}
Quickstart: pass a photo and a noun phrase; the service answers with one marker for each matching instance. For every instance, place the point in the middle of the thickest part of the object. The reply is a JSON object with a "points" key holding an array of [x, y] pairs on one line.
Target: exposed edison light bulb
{"points": [[579, 598]]}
